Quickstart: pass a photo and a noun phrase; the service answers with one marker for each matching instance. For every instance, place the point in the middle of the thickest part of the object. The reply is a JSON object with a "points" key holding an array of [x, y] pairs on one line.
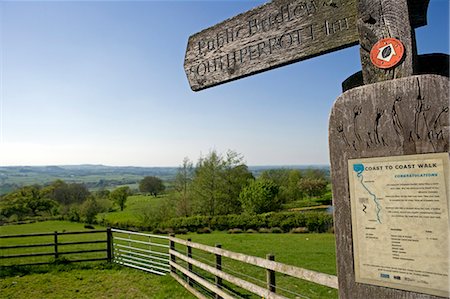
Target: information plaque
{"points": [[400, 218]]}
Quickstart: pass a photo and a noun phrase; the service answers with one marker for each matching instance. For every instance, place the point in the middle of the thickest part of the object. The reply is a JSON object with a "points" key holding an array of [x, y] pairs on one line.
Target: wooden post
{"points": [[109, 244], [270, 275], [218, 267], [189, 254], [55, 240], [172, 257], [396, 118], [378, 19]]}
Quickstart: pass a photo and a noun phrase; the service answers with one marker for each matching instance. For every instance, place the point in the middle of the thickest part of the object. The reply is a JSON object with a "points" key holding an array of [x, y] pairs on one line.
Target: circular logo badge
{"points": [[387, 53]]}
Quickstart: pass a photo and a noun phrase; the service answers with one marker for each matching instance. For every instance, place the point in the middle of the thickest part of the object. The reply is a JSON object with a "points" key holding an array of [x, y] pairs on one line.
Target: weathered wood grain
{"points": [[269, 36], [265, 293], [392, 118], [427, 64], [313, 276], [286, 31], [199, 280], [188, 287], [378, 19]]}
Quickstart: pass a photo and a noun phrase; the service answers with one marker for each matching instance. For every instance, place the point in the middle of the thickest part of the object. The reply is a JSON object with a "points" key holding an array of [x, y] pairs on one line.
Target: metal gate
{"points": [[142, 251]]}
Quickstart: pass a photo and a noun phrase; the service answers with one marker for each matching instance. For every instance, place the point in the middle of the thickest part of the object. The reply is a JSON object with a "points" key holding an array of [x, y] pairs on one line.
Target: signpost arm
{"points": [[378, 19]]}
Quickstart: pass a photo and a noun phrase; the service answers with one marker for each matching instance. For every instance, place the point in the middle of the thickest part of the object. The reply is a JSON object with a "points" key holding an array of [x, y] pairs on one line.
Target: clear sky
{"points": [[102, 82]]}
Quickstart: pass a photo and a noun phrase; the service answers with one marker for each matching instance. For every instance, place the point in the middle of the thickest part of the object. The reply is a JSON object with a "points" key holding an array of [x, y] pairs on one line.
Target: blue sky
{"points": [[103, 83]]}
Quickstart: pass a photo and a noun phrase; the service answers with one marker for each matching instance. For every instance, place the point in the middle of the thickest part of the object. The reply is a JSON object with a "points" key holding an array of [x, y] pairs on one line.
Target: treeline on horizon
{"points": [[218, 184], [98, 177]]}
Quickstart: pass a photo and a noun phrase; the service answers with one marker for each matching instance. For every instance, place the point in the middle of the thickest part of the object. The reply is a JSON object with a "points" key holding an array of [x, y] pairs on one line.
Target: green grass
{"points": [[43, 227], [132, 213], [91, 280], [48, 227], [92, 283], [324, 199], [310, 251]]}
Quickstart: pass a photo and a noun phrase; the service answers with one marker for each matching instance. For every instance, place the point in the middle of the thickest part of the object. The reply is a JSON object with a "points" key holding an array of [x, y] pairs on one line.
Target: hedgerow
{"points": [[318, 222], [286, 221]]}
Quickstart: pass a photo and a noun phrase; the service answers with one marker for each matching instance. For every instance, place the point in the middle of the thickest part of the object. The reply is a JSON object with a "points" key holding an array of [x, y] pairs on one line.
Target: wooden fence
{"points": [[185, 275], [60, 249], [159, 255]]}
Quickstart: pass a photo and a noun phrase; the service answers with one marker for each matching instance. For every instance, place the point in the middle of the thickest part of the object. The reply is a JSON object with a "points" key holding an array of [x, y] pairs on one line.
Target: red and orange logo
{"points": [[387, 53]]}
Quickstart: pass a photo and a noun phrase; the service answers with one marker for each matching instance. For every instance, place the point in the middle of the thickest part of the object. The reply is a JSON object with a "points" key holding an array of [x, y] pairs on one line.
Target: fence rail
{"points": [[186, 276], [57, 245], [158, 255]]}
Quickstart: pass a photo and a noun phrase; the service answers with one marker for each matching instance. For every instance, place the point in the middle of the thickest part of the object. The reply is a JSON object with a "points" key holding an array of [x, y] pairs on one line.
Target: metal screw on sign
{"points": [[387, 53]]}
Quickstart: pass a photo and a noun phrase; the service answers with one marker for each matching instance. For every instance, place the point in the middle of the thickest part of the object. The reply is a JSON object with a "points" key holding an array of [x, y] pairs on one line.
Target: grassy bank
{"points": [[43, 227], [136, 206], [119, 282], [93, 280], [310, 251]]}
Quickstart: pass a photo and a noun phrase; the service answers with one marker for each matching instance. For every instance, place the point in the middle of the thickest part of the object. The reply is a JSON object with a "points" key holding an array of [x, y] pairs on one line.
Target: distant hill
{"points": [[100, 176]]}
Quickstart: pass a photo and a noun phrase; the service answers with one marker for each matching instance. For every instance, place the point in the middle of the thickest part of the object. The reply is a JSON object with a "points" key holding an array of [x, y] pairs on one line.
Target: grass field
{"points": [[93, 280], [310, 251], [43, 227], [49, 227], [134, 208], [92, 283]]}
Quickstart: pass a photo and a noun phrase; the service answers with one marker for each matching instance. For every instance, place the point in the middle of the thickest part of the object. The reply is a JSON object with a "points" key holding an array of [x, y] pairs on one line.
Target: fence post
{"points": [[172, 257], [109, 244], [55, 240], [189, 254], [270, 275], [218, 267]]}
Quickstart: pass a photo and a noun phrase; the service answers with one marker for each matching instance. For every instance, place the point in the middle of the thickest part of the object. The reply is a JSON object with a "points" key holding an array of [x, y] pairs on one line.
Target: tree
{"points": [[182, 184], [279, 176], [207, 184], [152, 185], [291, 192], [218, 182], [236, 176], [26, 201], [260, 196], [90, 209], [287, 181], [102, 193], [152, 215], [120, 196], [313, 186], [67, 194], [317, 173]]}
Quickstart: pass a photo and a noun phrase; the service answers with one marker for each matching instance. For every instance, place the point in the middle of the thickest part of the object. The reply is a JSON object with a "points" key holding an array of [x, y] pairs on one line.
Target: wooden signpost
{"points": [[389, 138], [283, 32]]}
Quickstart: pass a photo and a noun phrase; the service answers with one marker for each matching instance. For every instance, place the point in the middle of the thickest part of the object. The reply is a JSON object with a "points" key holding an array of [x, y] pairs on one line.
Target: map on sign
{"points": [[400, 221], [359, 168]]}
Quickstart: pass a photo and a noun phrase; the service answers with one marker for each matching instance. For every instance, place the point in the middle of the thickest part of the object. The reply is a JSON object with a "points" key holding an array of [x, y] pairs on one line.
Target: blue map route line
{"points": [[359, 168]]}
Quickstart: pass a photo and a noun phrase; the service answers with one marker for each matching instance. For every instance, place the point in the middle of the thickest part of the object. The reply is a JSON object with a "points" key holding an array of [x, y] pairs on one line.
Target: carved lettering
{"points": [[332, 27], [286, 13], [271, 35], [295, 38]]}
